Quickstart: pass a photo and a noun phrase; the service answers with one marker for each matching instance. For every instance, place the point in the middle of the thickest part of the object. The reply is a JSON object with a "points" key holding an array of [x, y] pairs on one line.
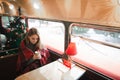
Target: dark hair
{"points": [[33, 31]]}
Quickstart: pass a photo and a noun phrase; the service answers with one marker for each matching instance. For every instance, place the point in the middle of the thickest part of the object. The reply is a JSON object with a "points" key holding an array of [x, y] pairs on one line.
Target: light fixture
{"points": [[11, 6], [70, 51]]}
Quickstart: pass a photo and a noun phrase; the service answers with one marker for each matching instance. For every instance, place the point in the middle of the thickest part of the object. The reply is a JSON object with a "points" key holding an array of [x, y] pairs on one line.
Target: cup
{"points": [[37, 53]]}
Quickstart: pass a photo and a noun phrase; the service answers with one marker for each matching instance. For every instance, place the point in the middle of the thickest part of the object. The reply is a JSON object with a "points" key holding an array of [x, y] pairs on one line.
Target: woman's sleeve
{"points": [[48, 56], [25, 54], [25, 62], [25, 51], [45, 56], [47, 53]]}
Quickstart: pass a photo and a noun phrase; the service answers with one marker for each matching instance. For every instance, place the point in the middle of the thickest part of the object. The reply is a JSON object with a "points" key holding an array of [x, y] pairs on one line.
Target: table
{"points": [[53, 71]]}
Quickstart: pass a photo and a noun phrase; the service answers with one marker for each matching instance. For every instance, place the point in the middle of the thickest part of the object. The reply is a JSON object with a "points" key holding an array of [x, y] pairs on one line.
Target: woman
{"points": [[31, 53]]}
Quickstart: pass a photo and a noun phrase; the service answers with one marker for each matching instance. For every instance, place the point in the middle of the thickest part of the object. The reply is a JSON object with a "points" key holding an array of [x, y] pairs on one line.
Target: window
{"points": [[98, 47], [51, 33]]}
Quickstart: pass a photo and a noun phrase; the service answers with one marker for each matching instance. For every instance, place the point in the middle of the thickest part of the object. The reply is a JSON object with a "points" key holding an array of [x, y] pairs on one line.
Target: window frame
{"points": [[90, 66], [48, 46]]}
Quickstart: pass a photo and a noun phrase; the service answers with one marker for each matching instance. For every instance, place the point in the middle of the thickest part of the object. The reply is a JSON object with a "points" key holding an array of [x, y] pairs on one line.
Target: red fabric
{"points": [[45, 54], [26, 54]]}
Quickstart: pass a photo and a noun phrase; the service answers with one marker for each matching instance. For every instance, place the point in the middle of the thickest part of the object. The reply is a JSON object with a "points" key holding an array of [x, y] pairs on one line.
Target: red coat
{"points": [[25, 54]]}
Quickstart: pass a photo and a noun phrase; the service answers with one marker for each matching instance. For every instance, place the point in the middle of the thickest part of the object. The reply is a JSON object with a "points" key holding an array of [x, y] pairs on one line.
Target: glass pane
{"points": [[112, 38], [51, 33]]}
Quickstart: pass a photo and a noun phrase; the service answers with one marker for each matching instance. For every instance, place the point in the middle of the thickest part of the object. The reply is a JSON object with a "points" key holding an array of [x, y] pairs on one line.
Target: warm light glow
{"points": [[11, 6], [67, 5], [119, 2], [36, 6]]}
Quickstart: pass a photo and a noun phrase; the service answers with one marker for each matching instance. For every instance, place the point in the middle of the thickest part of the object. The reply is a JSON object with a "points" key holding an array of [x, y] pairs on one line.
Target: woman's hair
{"points": [[33, 31]]}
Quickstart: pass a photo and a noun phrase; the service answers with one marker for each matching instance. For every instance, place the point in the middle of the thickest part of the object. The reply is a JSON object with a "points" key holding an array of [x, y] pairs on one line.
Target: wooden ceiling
{"points": [[104, 12]]}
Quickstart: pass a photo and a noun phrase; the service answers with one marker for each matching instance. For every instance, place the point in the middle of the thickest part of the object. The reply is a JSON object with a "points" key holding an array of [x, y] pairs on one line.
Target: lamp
{"points": [[70, 51]]}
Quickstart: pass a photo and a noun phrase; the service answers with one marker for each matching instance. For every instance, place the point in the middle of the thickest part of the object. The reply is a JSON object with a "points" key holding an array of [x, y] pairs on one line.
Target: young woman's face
{"points": [[33, 39]]}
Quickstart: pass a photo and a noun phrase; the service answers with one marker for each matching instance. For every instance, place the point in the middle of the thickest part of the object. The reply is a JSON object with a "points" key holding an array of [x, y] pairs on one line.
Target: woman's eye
{"points": [[34, 38]]}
